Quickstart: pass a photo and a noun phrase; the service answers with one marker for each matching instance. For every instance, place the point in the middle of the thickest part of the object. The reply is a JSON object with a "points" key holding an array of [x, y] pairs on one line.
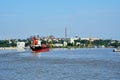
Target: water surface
{"points": [[60, 64]]}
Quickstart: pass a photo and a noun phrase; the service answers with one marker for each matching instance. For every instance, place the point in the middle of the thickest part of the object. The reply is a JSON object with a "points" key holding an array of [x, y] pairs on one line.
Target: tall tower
{"points": [[65, 32], [65, 40]]}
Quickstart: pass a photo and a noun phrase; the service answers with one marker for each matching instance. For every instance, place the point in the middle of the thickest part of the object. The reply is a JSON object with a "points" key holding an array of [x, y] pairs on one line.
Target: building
{"points": [[21, 45], [93, 39]]}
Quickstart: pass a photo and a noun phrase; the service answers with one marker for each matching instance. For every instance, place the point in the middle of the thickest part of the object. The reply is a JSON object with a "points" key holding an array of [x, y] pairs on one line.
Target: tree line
{"points": [[82, 43]]}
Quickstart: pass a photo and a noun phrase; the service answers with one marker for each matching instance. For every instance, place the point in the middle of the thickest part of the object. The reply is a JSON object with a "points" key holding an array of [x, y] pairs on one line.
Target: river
{"points": [[60, 64]]}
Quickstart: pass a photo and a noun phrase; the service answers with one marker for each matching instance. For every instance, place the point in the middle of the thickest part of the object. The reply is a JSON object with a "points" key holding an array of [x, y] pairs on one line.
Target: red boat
{"points": [[37, 47]]}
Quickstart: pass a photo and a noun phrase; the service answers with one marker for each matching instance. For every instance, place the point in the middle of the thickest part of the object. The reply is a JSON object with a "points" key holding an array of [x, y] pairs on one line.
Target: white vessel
{"points": [[116, 50]]}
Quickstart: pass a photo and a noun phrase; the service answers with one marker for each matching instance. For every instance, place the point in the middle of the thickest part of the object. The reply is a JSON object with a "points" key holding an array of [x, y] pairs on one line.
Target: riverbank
{"points": [[7, 48]]}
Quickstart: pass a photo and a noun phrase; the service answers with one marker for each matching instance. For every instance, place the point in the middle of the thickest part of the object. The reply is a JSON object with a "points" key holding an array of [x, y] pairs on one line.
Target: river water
{"points": [[60, 64]]}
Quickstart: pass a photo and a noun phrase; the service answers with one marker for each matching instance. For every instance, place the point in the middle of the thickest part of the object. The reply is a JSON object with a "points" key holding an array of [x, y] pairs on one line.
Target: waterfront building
{"points": [[64, 43], [93, 39], [58, 45], [21, 45], [72, 40]]}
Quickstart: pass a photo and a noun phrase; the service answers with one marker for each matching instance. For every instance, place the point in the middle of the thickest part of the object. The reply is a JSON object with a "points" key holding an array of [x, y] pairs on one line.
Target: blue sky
{"points": [[83, 18]]}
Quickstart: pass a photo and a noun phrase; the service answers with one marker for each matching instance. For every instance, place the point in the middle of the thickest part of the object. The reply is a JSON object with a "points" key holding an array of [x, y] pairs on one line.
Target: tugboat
{"points": [[37, 47]]}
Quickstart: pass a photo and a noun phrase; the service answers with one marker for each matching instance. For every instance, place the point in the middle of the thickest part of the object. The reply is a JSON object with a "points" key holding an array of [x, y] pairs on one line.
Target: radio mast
{"points": [[65, 33], [65, 40]]}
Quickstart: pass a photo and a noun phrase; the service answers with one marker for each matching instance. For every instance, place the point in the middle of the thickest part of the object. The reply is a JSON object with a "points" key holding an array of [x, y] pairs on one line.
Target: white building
{"points": [[90, 38], [65, 43], [21, 45], [72, 40], [58, 45]]}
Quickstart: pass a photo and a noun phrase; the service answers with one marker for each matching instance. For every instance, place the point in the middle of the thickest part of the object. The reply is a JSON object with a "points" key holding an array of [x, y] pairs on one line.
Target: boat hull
{"points": [[116, 50], [39, 48]]}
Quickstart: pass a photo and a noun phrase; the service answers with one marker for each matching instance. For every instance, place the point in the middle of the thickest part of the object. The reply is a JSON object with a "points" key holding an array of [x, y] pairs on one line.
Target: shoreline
{"points": [[9, 48], [16, 48]]}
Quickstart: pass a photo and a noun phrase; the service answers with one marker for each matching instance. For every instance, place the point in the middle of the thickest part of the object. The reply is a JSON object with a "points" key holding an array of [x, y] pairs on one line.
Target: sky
{"points": [[83, 18]]}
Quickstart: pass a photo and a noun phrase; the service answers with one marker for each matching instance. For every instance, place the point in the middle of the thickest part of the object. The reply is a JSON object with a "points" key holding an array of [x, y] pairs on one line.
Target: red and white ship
{"points": [[37, 47]]}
